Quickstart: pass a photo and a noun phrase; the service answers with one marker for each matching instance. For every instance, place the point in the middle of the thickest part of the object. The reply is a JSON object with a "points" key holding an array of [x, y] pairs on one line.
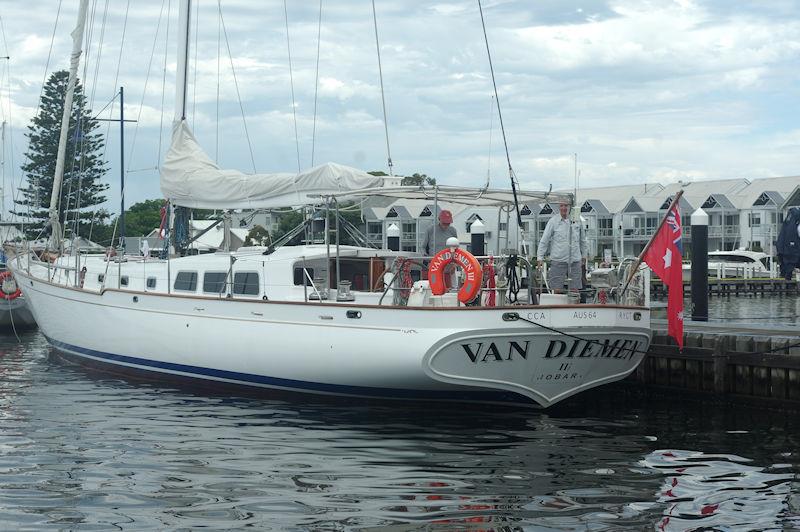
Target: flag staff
{"points": [[635, 267]]}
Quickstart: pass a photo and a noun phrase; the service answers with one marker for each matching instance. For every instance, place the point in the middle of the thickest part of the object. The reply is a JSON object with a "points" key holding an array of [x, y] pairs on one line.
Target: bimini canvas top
{"points": [[191, 179], [480, 197]]}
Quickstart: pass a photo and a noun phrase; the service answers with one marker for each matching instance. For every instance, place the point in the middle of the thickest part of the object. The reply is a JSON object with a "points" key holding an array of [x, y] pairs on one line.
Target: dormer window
{"points": [[763, 199], [392, 213], [586, 207], [425, 212], [710, 203], [547, 209], [526, 211]]}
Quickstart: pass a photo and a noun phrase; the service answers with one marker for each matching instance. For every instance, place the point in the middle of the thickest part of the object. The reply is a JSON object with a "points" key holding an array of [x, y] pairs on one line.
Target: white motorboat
{"points": [[305, 319], [732, 264]]}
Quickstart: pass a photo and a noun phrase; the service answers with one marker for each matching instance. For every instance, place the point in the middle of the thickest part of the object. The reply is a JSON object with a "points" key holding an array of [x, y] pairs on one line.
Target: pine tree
{"points": [[81, 190]]}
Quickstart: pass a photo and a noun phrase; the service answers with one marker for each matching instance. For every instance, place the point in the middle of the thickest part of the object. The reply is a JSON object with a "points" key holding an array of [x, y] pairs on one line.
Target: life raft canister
{"points": [[8, 286], [472, 273]]}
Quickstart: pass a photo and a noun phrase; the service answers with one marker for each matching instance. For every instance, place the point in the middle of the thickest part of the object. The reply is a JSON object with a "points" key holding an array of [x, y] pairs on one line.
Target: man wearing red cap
{"points": [[436, 236]]}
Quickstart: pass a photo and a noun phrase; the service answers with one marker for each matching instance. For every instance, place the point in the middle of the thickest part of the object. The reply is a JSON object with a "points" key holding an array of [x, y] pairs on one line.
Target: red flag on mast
{"points": [[664, 257]]}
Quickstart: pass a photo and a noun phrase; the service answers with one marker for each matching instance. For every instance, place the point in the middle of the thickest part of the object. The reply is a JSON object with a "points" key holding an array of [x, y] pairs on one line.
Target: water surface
{"points": [[87, 451]]}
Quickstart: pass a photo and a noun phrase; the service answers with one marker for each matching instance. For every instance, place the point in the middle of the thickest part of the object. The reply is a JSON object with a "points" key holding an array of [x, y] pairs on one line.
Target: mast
{"points": [[184, 12], [3, 168], [58, 177]]}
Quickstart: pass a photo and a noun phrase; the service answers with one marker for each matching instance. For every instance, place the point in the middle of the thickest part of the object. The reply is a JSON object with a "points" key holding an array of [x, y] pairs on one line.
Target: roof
{"points": [[594, 205], [717, 201], [616, 197]]}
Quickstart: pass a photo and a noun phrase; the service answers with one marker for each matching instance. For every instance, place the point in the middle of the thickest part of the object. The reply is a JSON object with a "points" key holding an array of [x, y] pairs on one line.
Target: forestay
{"points": [[191, 179]]}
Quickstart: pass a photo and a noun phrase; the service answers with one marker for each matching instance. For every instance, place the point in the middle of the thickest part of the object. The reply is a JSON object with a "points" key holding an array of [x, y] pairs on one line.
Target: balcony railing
{"points": [[719, 230]]}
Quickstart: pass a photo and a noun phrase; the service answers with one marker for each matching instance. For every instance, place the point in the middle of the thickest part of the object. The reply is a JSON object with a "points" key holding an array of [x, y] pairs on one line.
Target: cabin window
{"points": [[151, 282], [100, 278], [186, 281], [123, 281], [300, 278], [245, 283], [214, 282]]}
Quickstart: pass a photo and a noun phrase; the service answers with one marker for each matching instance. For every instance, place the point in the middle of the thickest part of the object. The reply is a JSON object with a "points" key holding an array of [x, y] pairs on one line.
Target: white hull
{"points": [[385, 352]]}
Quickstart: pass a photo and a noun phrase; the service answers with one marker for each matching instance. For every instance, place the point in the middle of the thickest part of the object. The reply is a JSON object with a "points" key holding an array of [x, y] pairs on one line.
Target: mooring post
{"points": [[720, 358], [393, 237], [699, 265], [477, 243]]}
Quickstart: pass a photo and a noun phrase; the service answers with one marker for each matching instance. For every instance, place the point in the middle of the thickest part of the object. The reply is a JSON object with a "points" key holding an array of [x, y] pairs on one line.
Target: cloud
{"points": [[641, 90]]}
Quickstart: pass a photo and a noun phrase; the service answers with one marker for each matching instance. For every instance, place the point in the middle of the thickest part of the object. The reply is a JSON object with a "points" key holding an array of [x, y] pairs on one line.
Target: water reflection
{"points": [[86, 450], [758, 310], [722, 491]]}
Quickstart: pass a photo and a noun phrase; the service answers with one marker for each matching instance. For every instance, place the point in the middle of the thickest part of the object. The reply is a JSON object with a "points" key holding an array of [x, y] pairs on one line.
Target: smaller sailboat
{"points": [[14, 312]]}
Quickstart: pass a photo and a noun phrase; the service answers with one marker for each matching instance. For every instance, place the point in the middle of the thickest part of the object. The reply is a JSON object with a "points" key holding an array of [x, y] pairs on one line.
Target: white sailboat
{"points": [[264, 319]]}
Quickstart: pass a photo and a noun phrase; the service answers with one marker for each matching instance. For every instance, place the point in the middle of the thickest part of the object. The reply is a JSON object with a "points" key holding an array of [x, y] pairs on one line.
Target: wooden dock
{"points": [[726, 360]]}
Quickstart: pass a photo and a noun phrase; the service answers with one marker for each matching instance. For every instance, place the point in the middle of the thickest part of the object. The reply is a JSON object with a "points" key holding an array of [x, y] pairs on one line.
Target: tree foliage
{"points": [[143, 217], [81, 191], [291, 219], [258, 236], [417, 180]]}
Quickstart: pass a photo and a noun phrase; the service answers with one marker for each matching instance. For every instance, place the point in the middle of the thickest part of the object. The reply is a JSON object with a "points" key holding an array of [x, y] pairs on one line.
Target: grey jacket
{"points": [[555, 241], [441, 238]]}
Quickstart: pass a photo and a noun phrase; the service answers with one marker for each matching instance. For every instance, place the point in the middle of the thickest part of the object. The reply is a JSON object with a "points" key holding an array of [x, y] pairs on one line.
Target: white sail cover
{"points": [[191, 179]]}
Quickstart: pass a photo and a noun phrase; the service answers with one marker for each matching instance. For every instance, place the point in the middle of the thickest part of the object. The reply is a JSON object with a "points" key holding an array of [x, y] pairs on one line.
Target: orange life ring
{"points": [[472, 273], [9, 290]]}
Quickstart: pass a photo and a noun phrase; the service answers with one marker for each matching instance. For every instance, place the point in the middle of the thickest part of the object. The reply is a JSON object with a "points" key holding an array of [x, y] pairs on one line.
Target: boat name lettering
{"points": [[491, 352], [536, 316], [585, 315], [557, 376], [625, 314], [618, 349]]}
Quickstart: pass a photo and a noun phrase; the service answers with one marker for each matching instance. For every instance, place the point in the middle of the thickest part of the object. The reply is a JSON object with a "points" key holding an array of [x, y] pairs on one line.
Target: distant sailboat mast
{"points": [[58, 177]]}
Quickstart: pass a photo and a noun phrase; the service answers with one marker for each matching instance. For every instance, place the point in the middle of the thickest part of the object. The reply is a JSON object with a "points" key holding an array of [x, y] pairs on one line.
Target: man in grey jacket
{"points": [[565, 242], [436, 236]]}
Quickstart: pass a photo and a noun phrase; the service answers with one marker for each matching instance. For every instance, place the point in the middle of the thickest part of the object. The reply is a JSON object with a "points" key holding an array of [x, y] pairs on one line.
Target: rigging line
{"points": [[116, 76], [146, 82], [291, 83], [383, 99], [316, 86], [236, 84], [511, 173], [83, 139], [78, 144], [39, 100]]}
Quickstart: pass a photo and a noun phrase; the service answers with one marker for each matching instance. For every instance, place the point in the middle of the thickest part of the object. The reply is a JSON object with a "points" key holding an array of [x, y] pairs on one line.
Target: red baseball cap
{"points": [[446, 217]]}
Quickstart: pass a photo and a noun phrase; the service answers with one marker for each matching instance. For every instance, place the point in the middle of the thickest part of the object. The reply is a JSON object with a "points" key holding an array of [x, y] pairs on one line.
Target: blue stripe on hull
{"points": [[251, 381]]}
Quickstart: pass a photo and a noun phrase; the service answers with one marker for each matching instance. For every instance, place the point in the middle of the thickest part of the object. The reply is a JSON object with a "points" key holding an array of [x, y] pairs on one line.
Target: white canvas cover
{"points": [[191, 179]]}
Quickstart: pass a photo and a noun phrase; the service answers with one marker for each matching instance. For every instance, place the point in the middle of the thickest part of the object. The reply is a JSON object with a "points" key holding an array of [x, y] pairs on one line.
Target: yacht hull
{"points": [[527, 355]]}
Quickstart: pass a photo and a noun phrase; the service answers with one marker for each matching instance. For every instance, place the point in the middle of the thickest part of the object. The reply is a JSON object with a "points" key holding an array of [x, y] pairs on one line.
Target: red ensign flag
{"points": [[664, 257]]}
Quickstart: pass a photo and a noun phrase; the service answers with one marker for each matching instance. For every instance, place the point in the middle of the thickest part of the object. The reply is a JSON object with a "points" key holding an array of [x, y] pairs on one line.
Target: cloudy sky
{"points": [[640, 90]]}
